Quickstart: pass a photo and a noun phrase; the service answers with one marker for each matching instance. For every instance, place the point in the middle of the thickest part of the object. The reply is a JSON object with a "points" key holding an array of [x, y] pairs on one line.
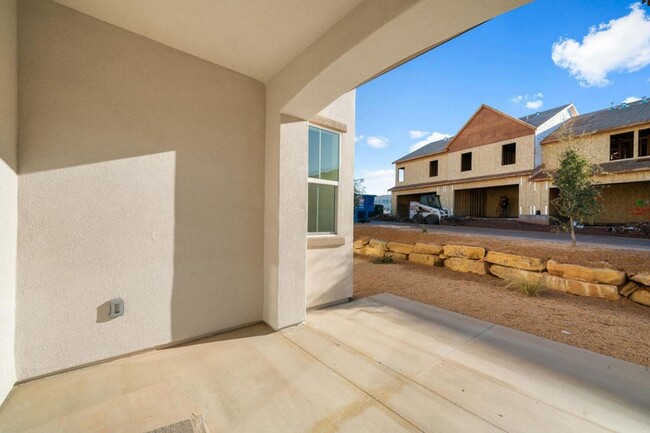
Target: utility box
{"points": [[116, 308]]}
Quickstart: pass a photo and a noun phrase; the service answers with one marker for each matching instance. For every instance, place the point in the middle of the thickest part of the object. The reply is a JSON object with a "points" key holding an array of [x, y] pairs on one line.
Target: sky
{"points": [[591, 53]]}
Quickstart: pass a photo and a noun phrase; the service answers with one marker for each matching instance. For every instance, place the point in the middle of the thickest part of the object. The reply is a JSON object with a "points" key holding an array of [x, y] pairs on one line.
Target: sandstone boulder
{"points": [[628, 288], [397, 256], [378, 244], [374, 252], [518, 262], [512, 274], [641, 296], [589, 275], [425, 259], [400, 248], [605, 291], [464, 265], [360, 243], [643, 278], [464, 252], [427, 248]]}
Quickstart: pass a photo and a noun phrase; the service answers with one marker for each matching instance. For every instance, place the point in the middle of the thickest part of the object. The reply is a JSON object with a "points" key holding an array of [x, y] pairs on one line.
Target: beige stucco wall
{"points": [[373, 38], [8, 193], [329, 270], [141, 177]]}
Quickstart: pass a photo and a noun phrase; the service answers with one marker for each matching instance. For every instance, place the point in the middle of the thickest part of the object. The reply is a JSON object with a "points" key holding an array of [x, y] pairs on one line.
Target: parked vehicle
{"points": [[428, 210]]}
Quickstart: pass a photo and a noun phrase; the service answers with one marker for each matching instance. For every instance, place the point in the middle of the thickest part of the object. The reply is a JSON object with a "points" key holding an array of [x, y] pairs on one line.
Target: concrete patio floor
{"points": [[380, 364]]}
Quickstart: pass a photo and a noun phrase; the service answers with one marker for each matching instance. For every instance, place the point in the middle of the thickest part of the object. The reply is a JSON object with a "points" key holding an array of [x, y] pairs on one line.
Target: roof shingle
{"points": [[538, 119], [621, 116], [427, 149]]}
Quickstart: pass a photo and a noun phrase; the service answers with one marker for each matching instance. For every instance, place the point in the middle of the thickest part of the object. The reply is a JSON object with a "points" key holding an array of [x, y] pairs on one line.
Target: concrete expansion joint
{"points": [[402, 377], [455, 349], [371, 399]]}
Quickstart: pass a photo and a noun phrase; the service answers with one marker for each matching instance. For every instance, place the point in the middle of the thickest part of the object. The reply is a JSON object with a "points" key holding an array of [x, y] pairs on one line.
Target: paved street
{"points": [[563, 238]]}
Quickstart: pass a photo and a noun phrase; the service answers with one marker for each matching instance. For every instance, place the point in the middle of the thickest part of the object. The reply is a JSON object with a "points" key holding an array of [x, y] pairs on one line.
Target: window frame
{"points": [[462, 162], [401, 174], [433, 168], [507, 161], [630, 154], [336, 184], [646, 144]]}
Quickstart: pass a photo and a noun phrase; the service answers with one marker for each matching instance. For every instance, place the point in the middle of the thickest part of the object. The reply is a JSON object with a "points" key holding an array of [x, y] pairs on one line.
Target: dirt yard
{"points": [[616, 328]]}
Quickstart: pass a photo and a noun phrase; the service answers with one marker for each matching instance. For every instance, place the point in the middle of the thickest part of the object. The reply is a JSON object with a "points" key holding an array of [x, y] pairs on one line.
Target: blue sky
{"points": [[542, 55]]}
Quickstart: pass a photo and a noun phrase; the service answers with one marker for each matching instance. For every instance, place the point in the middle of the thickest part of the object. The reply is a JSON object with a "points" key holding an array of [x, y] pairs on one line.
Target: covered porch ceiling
{"points": [[253, 37]]}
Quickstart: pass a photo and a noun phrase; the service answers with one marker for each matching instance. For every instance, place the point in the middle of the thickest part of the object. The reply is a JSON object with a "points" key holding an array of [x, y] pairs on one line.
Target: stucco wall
{"points": [[329, 270], [141, 177], [8, 193]]}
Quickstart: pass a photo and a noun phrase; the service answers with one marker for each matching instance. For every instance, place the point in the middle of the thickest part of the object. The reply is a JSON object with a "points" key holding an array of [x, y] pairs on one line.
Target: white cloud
{"points": [[622, 45], [377, 141], [631, 99], [358, 138], [377, 181], [533, 102], [434, 136], [417, 134], [534, 105]]}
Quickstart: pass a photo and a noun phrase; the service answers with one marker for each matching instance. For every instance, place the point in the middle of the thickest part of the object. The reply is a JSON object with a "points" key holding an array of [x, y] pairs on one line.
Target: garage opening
{"points": [[403, 202], [625, 203], [484, 202], [622, 203]]}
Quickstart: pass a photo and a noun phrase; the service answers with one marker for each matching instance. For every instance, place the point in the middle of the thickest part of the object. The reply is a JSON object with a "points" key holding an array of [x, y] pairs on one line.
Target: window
{"points": [[509, 154], [621, 146], [400, 174], [466, 161], [433, 168], [644, 142], [323, 180]]}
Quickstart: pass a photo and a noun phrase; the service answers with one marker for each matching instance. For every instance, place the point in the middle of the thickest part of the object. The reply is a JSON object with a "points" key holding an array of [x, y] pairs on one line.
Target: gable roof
{"points": [[428, 149], [539, 118], [634, 113], [505, 116], [435, 147]]}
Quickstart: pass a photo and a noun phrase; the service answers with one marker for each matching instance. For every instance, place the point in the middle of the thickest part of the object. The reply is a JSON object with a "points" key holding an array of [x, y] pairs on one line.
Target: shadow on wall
{"points": [[331, 283], [141, 177]]}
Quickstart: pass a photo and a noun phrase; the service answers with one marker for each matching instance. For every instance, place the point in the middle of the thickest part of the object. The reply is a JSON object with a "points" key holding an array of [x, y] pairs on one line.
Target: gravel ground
{"points": [[616, 328]]}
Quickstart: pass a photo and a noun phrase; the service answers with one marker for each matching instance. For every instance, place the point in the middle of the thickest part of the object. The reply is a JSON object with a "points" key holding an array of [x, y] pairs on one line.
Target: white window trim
{"points": [[337, 184]]}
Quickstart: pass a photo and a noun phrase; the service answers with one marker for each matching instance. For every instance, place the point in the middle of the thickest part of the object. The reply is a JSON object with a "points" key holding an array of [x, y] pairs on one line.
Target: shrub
{"points": [[525, 286], [383, 260]]}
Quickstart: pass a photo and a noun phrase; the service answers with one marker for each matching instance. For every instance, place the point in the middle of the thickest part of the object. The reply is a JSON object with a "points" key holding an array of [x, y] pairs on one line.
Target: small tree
{"points": [[579, 197], [359, 190]]}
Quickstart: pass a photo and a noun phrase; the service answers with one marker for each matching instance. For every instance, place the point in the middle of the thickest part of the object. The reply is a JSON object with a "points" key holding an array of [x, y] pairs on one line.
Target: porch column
{"points": [[285, 220]]}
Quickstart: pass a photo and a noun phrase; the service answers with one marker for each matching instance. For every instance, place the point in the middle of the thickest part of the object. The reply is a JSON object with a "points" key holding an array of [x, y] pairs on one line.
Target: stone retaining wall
{"points": [[580, 280]]}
